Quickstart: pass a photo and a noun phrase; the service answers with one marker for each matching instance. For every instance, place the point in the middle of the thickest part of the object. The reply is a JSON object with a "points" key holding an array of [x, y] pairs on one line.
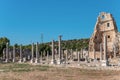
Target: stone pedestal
{"points": [[24, 59], [6, 60], [104, 63], [53, 61], [95, 60], [20, 61], [13, 60], [32, 61], [58, 61], [36, 60]]}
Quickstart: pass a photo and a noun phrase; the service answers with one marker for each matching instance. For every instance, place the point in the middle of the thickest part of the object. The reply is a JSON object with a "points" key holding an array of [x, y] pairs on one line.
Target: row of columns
{"points": [[53, 61], [36, 59], [6, 51], [6, 54]]}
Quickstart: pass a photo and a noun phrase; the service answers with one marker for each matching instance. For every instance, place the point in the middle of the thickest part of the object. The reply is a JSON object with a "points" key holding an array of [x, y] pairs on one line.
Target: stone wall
{"points": [[105, 25]]}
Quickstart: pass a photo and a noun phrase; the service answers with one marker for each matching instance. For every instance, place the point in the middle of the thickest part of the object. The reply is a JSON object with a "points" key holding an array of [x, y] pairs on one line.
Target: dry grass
{"points": [[30, 72]]}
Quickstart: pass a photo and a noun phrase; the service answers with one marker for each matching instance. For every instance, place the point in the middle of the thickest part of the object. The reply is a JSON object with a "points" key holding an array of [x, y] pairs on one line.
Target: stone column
{"points": [[7, 52], [88, 55], [37, 60], [62, 54], [94, 54], [41, 56], [78, 58], [71, 54], [105, 47], [4, 52], [25, 56], [32, 55], [13, 53], [81, 53], [104, 62], [53, 53], [59, 50], [48, 57], [10, 55], [66, 57], [77, 53], [114, 51], [20, 54], [101, 55]]}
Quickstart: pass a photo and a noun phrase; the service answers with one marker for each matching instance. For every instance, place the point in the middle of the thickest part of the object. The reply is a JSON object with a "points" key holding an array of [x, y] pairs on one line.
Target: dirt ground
{"points": [[36, 72]]}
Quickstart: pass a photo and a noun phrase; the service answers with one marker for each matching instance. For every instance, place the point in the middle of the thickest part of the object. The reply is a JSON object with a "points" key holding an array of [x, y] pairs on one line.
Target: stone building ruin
{"points": [[105, 25]]}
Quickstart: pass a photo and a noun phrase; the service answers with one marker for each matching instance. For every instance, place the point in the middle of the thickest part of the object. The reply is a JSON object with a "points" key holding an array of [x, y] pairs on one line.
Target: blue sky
{"points": [[23, 21]]}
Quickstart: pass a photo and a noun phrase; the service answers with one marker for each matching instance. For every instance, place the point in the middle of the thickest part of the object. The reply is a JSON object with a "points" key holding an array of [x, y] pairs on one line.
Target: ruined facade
{"points": [[105, 25]]}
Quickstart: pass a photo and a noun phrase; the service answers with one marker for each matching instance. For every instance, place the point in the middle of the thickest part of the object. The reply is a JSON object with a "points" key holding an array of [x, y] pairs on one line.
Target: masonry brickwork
{"points": [[105, 25]]}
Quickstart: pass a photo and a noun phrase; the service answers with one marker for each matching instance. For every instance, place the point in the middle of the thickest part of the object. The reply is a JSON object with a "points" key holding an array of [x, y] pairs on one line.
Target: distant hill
{"points": [[73, 44], [76, 44]]}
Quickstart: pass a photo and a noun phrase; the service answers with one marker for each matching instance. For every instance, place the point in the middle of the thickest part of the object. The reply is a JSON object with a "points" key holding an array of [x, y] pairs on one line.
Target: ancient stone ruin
{"points": [[104, 49], [105, 25]]}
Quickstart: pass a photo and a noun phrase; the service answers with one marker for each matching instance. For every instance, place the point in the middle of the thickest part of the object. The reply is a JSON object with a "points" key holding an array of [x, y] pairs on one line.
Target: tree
{"points": [[3, 41]]}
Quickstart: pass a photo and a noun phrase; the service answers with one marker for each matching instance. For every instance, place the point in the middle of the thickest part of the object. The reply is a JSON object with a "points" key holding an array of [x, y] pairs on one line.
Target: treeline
{"points": [[66, 44], [69, 44], [75, 44], [3, 41]]}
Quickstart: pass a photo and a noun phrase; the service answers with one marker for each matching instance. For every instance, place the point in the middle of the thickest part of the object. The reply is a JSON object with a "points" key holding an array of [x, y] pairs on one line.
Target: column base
{"points": [[104, 63], [78, 64], [24, 59], [20, 61], [95, 60], [6, 60], [13, 60], [53, 61], [32, 61], [37, 61], [59, 61]]}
